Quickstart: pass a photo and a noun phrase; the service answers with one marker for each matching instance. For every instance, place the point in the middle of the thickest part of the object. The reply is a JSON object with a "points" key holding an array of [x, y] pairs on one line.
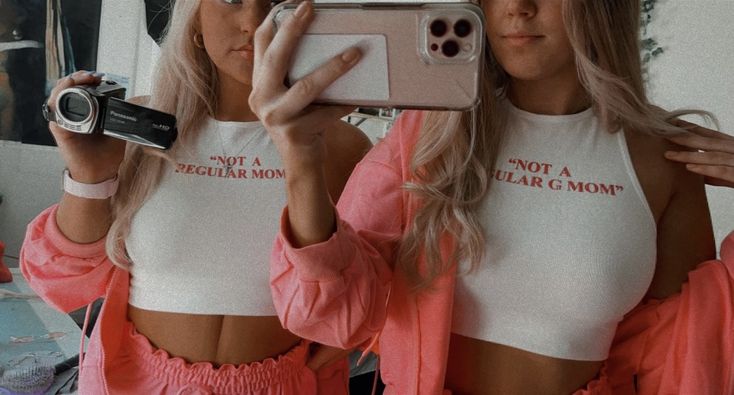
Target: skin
{"points": [[530, 42], [9, 21], [711, 154], [228, 31], [297, 127], [7, 108]]}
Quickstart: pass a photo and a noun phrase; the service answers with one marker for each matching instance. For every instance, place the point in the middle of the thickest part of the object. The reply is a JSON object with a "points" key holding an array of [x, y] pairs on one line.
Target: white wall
{"points": [[30, 176], [695, 70]]}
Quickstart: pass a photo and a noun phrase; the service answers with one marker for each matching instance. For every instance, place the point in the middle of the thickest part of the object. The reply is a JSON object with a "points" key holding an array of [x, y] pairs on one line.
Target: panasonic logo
{"points": [[127, 117]]}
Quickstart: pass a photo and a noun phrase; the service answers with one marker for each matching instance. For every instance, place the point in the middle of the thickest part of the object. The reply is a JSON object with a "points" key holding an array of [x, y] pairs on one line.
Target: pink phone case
{"points": [[423, 56]]}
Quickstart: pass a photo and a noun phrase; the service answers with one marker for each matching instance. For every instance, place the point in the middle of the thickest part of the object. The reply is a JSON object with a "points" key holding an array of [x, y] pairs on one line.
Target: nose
{"points": [[251, 15], [522, 8]]}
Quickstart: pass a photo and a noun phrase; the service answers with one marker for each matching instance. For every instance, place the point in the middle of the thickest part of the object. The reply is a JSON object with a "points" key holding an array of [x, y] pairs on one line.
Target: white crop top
{"points": [[570, 240], [201, 243]]}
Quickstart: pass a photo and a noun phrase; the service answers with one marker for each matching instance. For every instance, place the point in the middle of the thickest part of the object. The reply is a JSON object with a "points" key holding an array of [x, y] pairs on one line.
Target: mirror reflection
{"points": [[235, 224]]}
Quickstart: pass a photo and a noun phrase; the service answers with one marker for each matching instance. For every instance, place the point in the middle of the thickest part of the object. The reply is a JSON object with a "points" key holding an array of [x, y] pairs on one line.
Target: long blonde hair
{"points": [[454, 156], [185, 85]]}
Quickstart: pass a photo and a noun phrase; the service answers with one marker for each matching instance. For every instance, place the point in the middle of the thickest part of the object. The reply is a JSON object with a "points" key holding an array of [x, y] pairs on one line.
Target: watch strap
{"points": [[102, 190]]}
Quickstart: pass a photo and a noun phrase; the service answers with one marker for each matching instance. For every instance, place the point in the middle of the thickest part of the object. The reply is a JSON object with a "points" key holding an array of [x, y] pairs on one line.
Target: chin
{"points": [[241, 76], [528, 73]]}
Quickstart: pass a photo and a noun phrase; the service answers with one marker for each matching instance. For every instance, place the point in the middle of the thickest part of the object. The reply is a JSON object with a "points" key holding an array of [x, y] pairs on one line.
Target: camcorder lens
{"points": [[438, 28], [462, 28], [450, 48], [74, 107]]}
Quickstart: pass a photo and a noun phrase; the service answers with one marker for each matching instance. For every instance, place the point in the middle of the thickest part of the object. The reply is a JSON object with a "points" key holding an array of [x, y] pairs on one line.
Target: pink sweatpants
{"points": [[598, 386], [140, 368]]}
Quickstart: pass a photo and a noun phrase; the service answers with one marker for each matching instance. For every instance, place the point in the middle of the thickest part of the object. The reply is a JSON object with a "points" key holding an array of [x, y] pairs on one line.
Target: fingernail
{"points": [[301, 9], [90, 72], [350, 55], [98, 75], [691, 167], [669, 154]]}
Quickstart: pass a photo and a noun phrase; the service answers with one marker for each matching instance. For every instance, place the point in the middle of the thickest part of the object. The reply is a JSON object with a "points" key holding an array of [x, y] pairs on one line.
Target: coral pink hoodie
{"points": [[68, 276], [343, 292]]}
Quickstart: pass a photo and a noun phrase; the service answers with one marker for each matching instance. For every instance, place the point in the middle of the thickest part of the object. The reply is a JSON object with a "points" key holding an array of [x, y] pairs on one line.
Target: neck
{"points": [[559, 95], [232, 100]]}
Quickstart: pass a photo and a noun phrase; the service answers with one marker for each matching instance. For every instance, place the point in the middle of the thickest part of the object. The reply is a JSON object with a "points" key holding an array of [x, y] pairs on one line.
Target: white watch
{"points": [[102, 190]]}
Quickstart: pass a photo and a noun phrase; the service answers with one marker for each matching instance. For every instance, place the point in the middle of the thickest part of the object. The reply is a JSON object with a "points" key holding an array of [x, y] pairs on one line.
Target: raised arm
{"points": [[296, 127], [63, 255]]}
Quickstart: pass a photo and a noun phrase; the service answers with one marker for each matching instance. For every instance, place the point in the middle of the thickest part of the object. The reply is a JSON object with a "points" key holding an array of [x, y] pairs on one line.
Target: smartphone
{"points": [[414, 55]]}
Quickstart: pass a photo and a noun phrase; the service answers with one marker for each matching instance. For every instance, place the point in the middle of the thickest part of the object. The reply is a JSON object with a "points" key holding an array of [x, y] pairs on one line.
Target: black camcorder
{"points": [[102, 109]]}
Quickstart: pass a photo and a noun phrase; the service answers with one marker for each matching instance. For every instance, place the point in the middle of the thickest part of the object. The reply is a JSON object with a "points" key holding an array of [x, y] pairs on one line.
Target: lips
{"points": [[521, 38], [245, 51]]}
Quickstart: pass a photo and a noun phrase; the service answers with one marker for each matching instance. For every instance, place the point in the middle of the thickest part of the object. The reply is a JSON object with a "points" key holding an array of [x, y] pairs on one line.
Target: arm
{"points": [[296, 127], [335, 292], [63, 255], [346, 145], [65, 274], [685, 235], [329, 278], [88, 220]]}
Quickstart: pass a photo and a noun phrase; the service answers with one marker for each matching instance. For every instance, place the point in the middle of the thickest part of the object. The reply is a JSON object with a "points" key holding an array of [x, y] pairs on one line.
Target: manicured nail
{"points": [[351, 55], [301, 9], [669, 154]]}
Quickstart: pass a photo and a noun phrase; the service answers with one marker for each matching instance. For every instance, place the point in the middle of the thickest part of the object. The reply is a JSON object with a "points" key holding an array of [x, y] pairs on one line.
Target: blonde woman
{"points": [[180, 251], [501, 257]]}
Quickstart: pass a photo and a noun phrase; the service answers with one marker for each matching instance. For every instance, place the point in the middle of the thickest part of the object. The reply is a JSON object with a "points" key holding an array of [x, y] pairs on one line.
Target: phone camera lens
{"points": [[462, 28], [438, 28], [450, 48]]}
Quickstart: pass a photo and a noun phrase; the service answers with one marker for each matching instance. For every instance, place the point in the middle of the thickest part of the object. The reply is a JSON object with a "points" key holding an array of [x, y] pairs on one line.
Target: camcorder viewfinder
{"points": [[102, 109]]}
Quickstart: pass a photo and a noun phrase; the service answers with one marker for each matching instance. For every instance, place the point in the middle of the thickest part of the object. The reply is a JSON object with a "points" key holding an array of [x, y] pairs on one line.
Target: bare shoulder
{"points": [[346, 142], [346, 145], [139, 100]]}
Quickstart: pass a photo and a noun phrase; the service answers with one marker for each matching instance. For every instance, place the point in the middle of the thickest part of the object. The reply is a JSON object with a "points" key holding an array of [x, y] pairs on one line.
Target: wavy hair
{"points": [[185, 85], [455, 152]]}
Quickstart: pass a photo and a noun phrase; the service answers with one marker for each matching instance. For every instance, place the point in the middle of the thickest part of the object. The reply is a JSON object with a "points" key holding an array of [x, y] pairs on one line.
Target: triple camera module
{"points": [[451, 38]]}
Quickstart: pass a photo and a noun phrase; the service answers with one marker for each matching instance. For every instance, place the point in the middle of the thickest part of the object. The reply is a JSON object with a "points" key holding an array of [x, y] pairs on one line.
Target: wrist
{"points": [[91, 177], [296, 156]]}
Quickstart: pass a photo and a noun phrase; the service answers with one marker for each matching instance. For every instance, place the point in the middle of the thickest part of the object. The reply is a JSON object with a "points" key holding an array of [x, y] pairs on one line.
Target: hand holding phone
{"points": [[298, 128], [294, 124]]}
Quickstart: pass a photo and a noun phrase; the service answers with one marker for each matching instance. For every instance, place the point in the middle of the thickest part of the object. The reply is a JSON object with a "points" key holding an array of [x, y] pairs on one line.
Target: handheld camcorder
{"points": [[102, 109]]}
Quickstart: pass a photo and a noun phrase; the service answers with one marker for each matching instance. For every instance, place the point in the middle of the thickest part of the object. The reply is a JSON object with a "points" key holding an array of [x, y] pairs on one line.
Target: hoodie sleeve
{"points": [[336, 292], [65, 274]]}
